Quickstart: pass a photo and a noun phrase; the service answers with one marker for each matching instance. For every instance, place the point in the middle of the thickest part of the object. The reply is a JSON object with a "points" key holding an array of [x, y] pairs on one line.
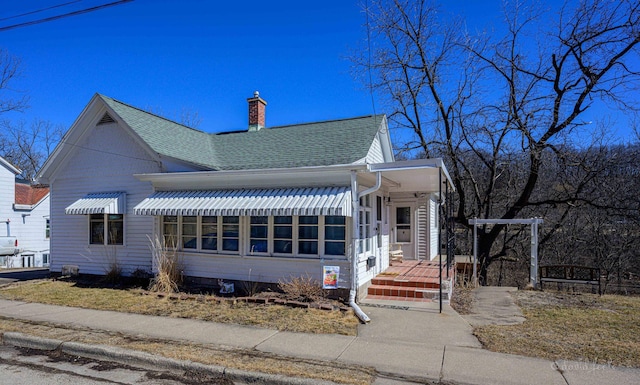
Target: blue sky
{"points": [[203, 56]]}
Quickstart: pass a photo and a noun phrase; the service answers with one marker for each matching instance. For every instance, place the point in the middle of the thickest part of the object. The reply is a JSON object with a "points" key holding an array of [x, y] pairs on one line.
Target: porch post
{"points": [[440, 235], [533, 276], [354, 230], [475, 252]]}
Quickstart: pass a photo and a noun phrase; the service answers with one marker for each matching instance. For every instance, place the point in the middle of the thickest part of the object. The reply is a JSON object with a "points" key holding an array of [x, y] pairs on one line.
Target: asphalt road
{"points": [[13, 275], [21, 366]]}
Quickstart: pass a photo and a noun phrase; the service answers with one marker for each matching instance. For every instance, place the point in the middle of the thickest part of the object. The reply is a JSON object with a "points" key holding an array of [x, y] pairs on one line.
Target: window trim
{"points": [[365, 230], [47, 228], [293, 239], [244, 237], [320, 234], [105, 227]]}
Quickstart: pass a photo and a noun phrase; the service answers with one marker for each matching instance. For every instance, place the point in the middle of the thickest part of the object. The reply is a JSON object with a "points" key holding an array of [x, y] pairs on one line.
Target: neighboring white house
{"points": [[260, 205], [24, 213]]}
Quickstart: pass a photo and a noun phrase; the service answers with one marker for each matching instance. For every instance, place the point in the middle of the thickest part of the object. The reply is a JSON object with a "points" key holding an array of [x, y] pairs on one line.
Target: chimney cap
{"points": [[256, 94]]}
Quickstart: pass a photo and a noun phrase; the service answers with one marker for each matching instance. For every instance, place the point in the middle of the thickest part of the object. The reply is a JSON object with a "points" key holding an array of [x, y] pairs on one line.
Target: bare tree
{"points": [[503, 109], [28, 146], [10, 99]]}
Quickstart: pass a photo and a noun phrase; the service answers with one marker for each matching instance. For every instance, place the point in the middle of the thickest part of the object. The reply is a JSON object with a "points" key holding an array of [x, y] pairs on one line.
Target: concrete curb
{"points": [[148, 360]]}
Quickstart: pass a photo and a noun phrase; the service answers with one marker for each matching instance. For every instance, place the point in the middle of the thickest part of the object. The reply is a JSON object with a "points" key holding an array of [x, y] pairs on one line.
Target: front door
{"points": [[403, 229]]}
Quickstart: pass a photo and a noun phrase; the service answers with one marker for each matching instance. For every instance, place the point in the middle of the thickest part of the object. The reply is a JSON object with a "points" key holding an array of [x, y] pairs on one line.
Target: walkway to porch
{"points": [[410, 280]]}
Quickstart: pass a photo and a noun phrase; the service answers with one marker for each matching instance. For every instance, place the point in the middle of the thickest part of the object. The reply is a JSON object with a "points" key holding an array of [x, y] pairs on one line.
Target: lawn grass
{"points": [[277, 317], [573, 326]]}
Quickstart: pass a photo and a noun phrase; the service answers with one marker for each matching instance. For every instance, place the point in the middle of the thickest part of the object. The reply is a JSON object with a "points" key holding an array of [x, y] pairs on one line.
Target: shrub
{"points": [[113, 271], [304, 289], [168, 277]]}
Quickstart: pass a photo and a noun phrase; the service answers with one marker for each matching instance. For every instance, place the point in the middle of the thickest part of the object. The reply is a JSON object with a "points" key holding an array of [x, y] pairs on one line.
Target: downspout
{"points": [[355, 202]]}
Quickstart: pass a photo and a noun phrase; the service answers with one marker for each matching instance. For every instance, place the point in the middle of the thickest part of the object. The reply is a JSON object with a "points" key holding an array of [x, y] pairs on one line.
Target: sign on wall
{"points": [[330, 276]]}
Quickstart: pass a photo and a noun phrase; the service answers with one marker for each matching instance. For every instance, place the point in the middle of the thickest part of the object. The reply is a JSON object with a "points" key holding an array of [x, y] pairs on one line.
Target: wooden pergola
{"points": [[534, 222]]}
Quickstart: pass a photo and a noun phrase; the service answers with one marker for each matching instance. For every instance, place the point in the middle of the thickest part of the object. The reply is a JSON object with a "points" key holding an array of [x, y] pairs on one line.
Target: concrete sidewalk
{"points": [[404, 343]]}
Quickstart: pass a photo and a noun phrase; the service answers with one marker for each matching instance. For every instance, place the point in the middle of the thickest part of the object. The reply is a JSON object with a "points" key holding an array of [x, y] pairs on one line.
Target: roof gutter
{"points": [[225, 174]]}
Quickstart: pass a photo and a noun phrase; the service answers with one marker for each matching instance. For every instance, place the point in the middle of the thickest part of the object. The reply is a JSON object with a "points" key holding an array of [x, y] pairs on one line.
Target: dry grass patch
{"points": [[249, 360], [574, 326], [208, 309]]}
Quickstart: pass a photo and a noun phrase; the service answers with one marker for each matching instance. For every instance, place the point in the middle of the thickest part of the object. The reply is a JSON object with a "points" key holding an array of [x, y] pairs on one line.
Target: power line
{"points": [[373, 104], [74, 13], [63, 141], [39, 10]]}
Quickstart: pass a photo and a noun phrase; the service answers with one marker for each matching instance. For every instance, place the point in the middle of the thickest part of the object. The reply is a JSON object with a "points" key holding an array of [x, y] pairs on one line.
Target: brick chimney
{"points": [[257, 109]]}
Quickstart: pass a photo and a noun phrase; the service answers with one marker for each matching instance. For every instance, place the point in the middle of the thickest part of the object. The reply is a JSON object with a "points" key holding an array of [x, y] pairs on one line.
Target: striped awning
{"points": [[99, 203], [249, 202]]}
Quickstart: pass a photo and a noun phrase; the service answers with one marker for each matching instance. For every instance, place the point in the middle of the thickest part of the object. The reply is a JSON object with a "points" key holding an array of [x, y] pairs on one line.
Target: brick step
{"points": [[403, 292], [426, 284]]}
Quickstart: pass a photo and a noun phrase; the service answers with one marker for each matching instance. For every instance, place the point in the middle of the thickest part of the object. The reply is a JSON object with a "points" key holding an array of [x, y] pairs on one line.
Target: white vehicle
{"points": [[8, 245]]}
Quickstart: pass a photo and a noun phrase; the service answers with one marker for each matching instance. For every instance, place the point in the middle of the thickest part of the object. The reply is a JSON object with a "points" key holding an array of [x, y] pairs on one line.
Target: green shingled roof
{"points": [[312, 144]]}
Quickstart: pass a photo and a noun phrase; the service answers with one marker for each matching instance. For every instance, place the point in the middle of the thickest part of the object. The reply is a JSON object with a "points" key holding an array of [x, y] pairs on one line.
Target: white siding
{"points": [[375, 152], [380, 251], [433, 227], [260, 269], [30, 230], [423, 230], [7, 196], [27, 225], [105, 160]]}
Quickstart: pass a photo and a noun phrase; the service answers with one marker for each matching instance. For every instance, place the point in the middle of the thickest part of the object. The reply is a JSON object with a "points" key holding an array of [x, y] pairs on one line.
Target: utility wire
{"points": [[373, 102], [39, 10], [74, 13]]}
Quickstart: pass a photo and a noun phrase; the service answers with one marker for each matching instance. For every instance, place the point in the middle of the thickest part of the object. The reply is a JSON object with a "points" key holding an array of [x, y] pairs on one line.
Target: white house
{"points": [[259, 205], [24, 213]]}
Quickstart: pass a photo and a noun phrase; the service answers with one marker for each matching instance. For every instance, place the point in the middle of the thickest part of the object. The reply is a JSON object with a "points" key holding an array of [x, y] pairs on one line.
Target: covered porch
{"points": [[420, 233]]}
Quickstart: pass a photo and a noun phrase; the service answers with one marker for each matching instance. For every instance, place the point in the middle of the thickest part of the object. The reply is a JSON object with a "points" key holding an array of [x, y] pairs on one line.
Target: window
{"points": [[190, 232], [230, 233], [259, 234], [210, 233], [334, 235], [283, 235], [379, 221], [364, 219], [308, 235], [109, 227], [96, 229], [403, 223], [170, 231], [45, 259], [47, 228]]}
